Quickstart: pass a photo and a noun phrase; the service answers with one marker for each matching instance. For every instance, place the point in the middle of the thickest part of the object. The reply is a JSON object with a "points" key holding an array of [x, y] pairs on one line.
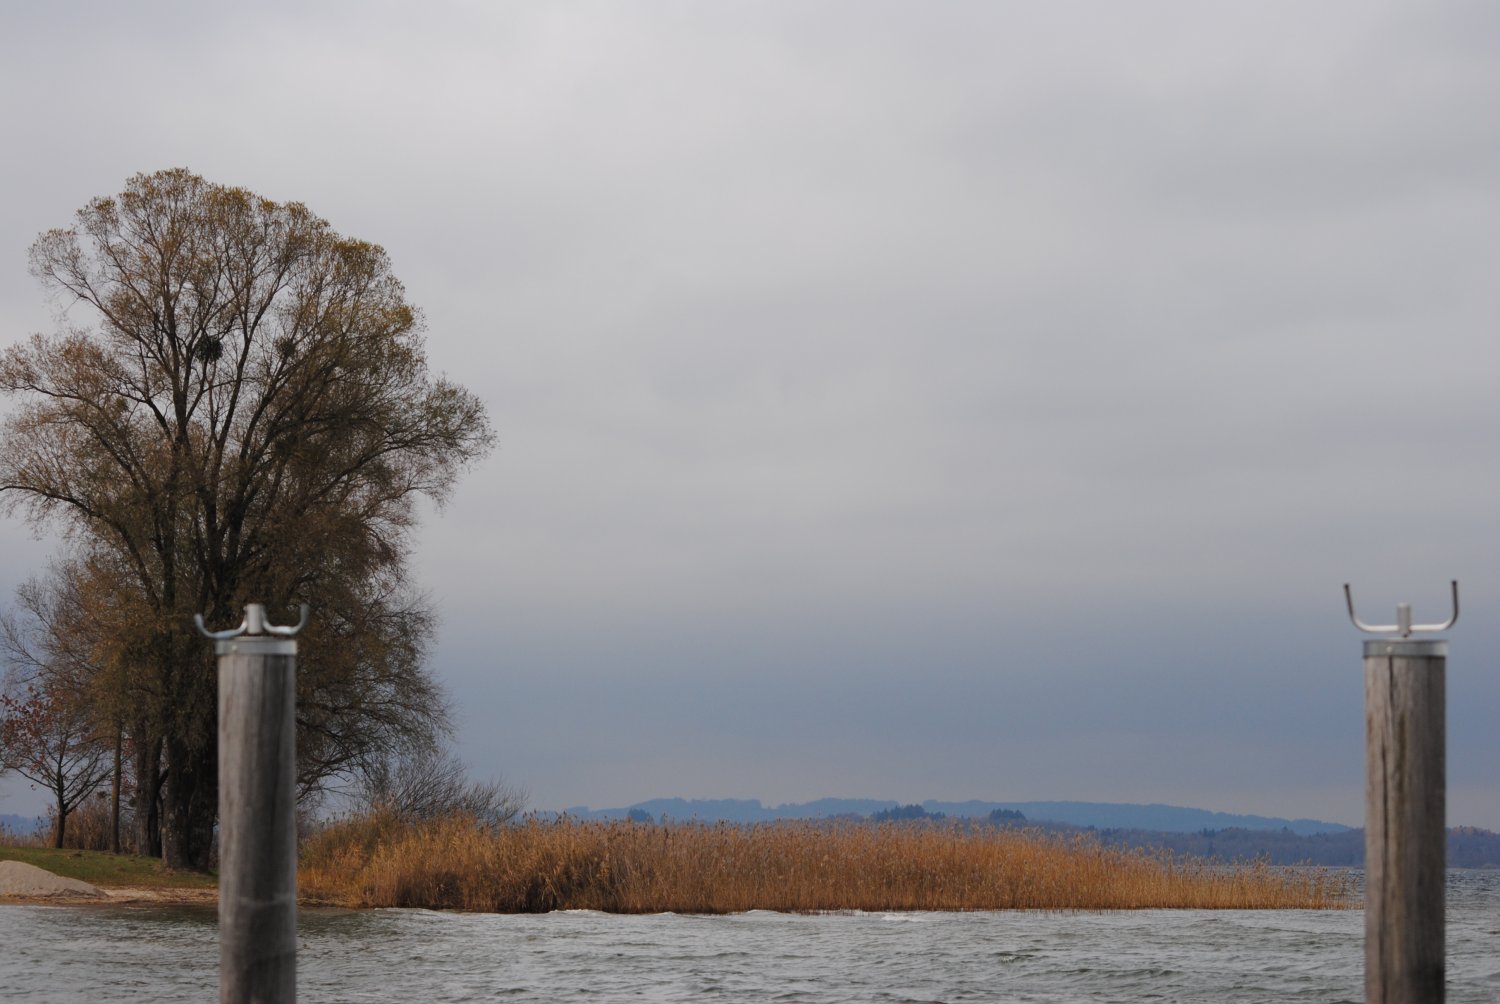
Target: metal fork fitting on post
{"points": [[257, 808], [1405, 808]]}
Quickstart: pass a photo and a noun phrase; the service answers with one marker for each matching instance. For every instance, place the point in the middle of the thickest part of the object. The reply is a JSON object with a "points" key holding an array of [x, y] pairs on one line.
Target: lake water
{"points": [[121, 953]]}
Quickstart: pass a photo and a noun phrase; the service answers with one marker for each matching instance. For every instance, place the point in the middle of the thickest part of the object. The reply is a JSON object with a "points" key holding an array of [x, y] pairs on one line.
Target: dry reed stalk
{"points": [[626, 867]]}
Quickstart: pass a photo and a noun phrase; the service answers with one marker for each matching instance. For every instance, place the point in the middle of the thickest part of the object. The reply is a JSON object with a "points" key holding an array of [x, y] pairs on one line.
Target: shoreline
{"points": [[121, 896]]}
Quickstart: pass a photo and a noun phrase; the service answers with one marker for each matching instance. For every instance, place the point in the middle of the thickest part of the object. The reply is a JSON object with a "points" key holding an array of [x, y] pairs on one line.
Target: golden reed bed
{"points": [[624, 867]]}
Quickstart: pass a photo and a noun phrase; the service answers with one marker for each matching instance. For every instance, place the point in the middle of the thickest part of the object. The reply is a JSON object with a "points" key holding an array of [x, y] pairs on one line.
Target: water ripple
{"points": [[159, 954]]}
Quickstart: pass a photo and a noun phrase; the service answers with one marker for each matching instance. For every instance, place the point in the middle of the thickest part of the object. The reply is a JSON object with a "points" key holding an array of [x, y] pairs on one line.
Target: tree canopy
{"points": [[249, 418]]}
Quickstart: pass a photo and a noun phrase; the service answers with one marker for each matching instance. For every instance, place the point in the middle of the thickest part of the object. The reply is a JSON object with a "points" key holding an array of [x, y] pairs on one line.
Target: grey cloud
{"points": [[889, 396]]}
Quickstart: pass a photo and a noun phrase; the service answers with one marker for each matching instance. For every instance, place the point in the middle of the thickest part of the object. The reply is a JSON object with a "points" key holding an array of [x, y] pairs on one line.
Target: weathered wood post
{"points": [[1405, 810], [257, 810]]}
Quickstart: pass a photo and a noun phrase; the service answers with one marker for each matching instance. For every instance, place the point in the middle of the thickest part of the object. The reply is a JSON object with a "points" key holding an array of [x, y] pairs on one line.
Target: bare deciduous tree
{"points": [[52, 640], [433, 784], [48, 738], [250, 420]]}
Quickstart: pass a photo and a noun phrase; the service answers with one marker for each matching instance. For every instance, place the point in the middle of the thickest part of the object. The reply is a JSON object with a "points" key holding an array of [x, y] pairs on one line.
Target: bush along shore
{"points": [[539, 865]]}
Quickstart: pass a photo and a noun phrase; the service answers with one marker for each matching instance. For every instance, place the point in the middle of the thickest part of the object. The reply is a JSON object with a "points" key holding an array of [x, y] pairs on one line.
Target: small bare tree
{"points": [[433, 784], [56, 636], [51, 741]]}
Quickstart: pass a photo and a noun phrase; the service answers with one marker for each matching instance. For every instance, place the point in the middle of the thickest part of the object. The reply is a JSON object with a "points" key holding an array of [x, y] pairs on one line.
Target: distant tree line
{"points": [[914, 812], [903, 813]]}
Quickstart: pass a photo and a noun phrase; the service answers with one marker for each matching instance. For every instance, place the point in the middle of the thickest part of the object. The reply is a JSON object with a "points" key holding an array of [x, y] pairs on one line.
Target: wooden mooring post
{"points": [[257, 810], [1405, 810]]}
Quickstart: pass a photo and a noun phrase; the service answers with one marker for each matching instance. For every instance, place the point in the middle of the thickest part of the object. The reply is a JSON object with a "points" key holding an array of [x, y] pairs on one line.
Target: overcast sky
{"points": [[961, 400]]}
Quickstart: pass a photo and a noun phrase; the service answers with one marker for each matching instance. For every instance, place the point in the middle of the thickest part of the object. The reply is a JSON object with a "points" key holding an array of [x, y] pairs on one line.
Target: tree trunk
{"points": [[114, 793], [204, 812], [174, 800], [147, 796], [189, 803], [62, 818]]}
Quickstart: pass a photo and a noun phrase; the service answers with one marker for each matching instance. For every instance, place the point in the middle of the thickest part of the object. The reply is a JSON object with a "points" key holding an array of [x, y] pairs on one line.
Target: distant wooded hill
{"points": [[1101, 815]]}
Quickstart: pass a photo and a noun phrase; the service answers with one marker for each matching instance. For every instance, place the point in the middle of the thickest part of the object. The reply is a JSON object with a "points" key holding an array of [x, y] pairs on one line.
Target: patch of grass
{"points": [[624, 867], [108, 870]]}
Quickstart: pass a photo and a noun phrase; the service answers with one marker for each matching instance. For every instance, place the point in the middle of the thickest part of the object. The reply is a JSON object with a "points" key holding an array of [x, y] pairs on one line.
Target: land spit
{"points": [[797, 867]]}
